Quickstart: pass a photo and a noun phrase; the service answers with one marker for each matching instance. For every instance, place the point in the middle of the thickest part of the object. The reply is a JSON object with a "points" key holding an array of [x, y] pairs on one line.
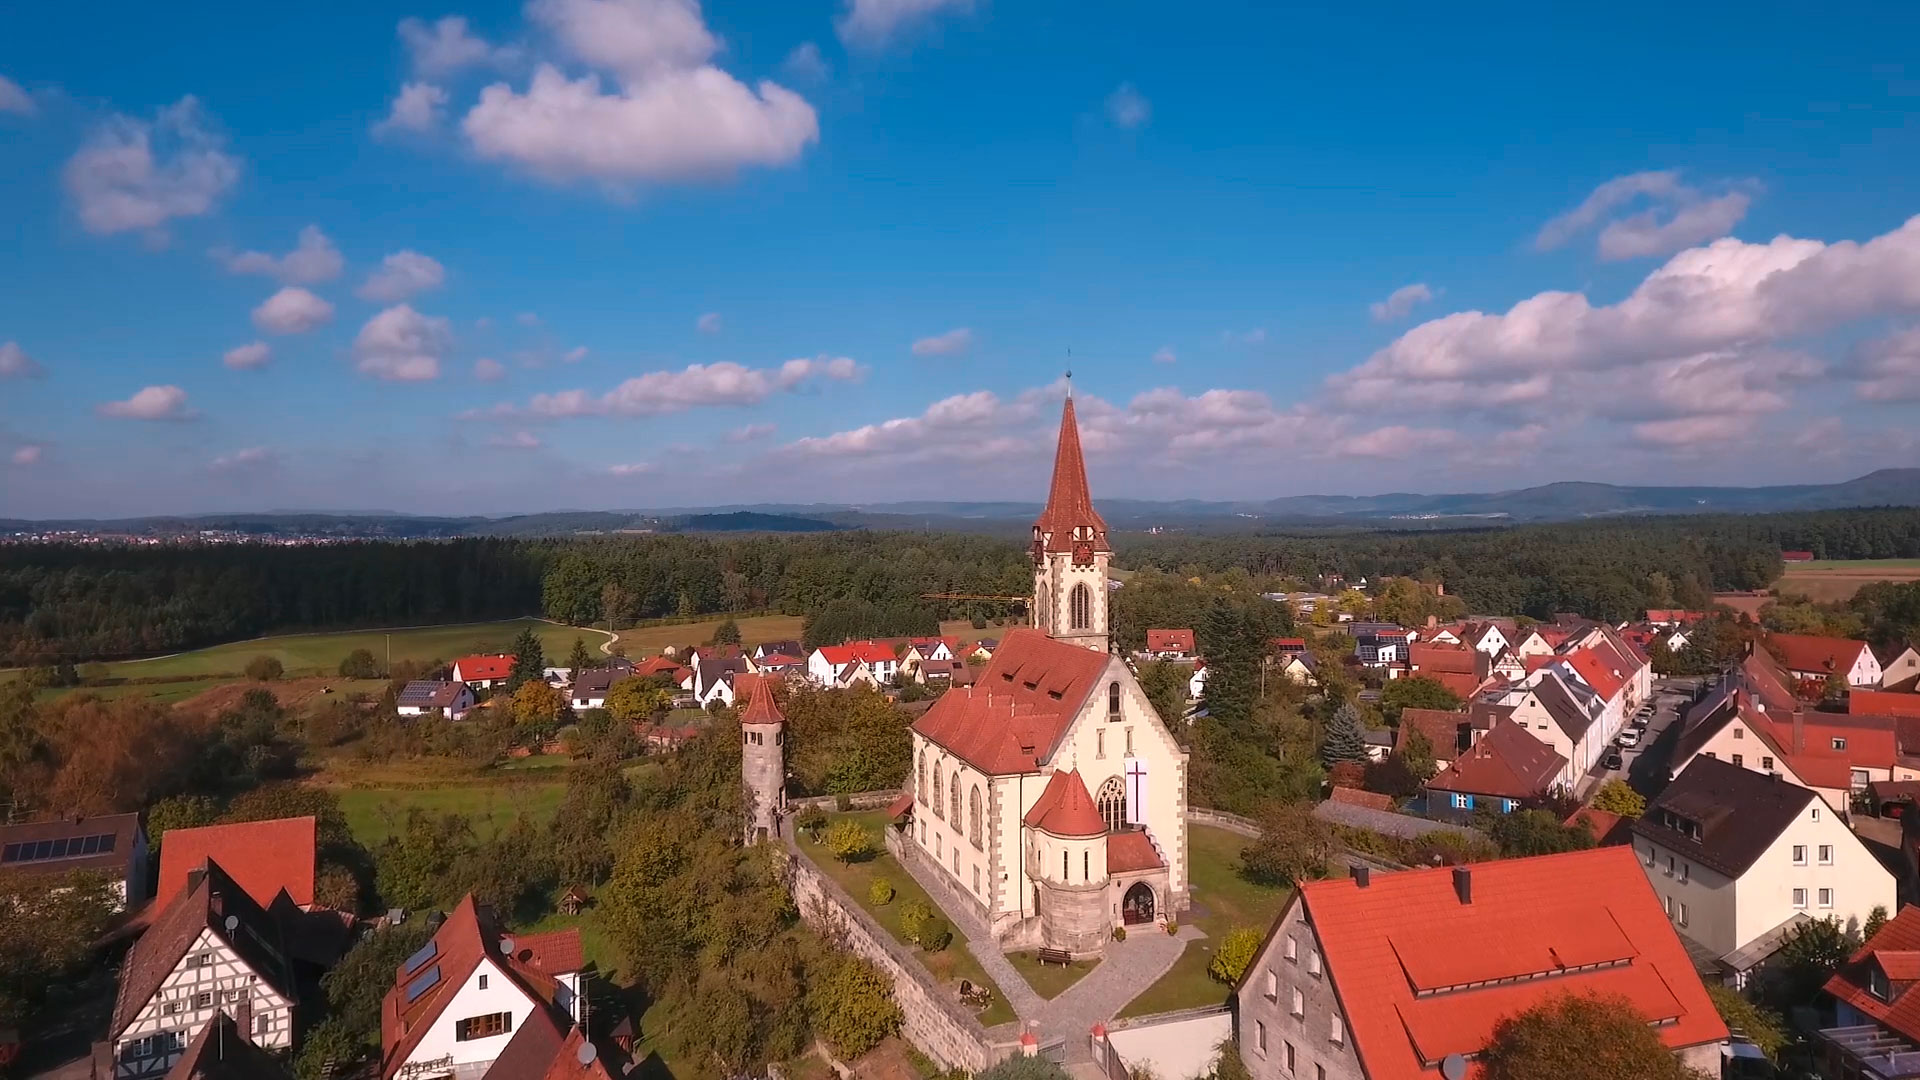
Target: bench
{"points": [[1054, 956]]}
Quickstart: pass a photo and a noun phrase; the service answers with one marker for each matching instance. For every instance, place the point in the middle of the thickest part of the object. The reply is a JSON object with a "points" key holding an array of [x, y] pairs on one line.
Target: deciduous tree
{"points": [[1293, 846], [1580, 1037], [637, 699], [849, 840], [852, 1005], [1618, 797], [1415, 692], [264, 668], [359, 664]]}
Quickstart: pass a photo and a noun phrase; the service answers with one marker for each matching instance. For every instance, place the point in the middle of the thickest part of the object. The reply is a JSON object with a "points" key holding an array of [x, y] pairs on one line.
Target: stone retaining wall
{"points": [[865, 800], [932, 1019], [1247, 827]]}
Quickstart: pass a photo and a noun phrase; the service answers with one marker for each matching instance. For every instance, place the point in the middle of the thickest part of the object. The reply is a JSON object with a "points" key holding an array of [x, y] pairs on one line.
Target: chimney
{"points": [[1362, 875], [195, 876], [1432, 621], [1463, 883]]}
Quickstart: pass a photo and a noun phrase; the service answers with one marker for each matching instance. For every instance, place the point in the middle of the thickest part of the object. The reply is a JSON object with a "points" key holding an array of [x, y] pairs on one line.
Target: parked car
{"points": [[1639, 723], [1613, 761], [1629, 737]]}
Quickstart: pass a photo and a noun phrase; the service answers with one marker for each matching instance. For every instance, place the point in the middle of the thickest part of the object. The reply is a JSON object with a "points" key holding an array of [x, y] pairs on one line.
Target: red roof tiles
{"points": [[761, 708], [1018, 706], [1506, 763], [483, 667], [262, 857], [1174, 641], [1131, 851], [1069, 500], [1065, 808], [1882, 703], [1806, 652], [1892, 949], [1600, 672], [1434, 657]]}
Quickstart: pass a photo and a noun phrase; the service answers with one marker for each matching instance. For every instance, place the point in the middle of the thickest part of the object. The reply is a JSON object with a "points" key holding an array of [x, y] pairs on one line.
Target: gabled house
{"points": [[781, 665], [1459, 668], [1379, 650], [828, 665], [1813, 660], [1532, 643], [265, 858], [1448, 734], [1883, 703], [1300, 667], [1404, 975], [1484, 636], [1504, 769], [210, 949], [1170, 645], [1876, 1031], [1900, 669], [224, 1050], [112, 844], [950, 672], [483, 671], [543, 1050], [590, 687], [1673, 616], [713, 678], [456, 1004], [421, 697], [1565, 720], [1740, 859], [778, 648]]}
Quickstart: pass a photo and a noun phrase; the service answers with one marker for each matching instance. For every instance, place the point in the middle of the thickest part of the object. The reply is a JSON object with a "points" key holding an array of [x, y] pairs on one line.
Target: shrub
{"points": [[1235, 953], [1119, 933], [849, 841], [264, 668], [935, 934], [359, 664], [811, 821], [1173, 927], [914, 914], [880, 893], [842, 802]]}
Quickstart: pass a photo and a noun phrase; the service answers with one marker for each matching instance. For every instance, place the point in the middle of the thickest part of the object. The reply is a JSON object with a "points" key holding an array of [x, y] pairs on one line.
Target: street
{"points": [[1645, 766]]}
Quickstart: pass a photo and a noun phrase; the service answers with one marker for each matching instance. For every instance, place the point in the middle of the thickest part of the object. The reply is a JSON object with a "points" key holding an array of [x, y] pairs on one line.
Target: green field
{"points": [[320, 654], [373, 814], [1856, 564], [1228, 900]]}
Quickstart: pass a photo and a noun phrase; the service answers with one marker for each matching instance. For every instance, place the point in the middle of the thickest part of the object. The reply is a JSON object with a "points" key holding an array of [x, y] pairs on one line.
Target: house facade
{"points": [[483, 671], [110, 844], [1814, 659], [423, 697]]}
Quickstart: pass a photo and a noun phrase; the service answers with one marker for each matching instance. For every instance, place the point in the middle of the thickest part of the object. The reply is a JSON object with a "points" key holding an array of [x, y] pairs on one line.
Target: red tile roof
{"points": [[1599, 671], [1065, 808], [223, 1052], [1674, 615], [870, 651], [1372, 800], [1069, 500], [1806, 652], [1394, 947], [1893, 949], [1180, 641], [484, 666], [1461, 685], [1605, 827], [1018, 706], [761, 708], [1131, 851], [1506, 763], [655, 665], [1446, 732], [1882, 703], [900, 805], [263, 857], [1431, 658]]}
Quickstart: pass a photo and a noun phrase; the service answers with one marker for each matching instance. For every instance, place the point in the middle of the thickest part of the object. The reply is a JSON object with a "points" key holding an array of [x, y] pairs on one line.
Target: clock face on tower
{"points": [[1082, 553]]}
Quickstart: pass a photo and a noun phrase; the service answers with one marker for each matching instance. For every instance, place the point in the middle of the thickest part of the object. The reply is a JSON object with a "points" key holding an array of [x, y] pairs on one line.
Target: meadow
{"points": [[1834, 580], [320, 654]]}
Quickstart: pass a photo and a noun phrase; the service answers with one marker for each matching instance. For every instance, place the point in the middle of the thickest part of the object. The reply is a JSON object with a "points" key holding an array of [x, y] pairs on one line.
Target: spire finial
{"points": [[1069, 382]]}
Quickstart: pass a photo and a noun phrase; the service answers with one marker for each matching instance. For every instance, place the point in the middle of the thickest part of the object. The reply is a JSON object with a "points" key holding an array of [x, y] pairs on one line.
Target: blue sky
{"points": [[626, 253]]}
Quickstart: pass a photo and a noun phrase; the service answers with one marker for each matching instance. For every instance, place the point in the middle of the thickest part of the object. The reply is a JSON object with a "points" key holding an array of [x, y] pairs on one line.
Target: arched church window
{"points": [[973, 818], [920, 779], [955, 794], [1112, 803], [938, 810], [1080, 607], [1113, 700]]}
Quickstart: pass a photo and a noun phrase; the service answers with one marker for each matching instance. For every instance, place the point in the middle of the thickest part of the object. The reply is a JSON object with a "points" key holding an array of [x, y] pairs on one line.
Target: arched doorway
{"points": [[1137, 906]]}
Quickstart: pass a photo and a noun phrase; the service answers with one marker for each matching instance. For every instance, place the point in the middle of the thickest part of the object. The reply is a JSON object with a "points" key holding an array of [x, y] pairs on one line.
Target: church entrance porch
{"points": [[1137, 907]]}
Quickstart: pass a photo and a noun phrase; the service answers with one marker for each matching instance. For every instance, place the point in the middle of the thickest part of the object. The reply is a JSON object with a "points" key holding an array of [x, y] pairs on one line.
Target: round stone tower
{"points": [[763, 757], [1067, 859]]}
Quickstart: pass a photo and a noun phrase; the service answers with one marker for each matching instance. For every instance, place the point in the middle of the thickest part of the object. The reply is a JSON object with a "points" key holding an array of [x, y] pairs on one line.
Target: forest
{"points": [[68, 603]]}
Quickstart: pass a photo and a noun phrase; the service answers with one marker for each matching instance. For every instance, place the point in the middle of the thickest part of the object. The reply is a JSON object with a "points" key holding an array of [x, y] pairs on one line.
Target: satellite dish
{"points": [[586, 1053], [233, 923], [506, 946], [1453, 1067]]}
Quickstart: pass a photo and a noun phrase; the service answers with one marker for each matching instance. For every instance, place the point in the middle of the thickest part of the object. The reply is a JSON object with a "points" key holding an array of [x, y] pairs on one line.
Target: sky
{"points": [[597, 254]]}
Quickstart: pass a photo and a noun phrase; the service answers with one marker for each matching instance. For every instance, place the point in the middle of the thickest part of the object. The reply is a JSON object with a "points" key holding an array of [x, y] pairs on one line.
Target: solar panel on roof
{"points": [[423, 984], [62, 848], [427, 952]]}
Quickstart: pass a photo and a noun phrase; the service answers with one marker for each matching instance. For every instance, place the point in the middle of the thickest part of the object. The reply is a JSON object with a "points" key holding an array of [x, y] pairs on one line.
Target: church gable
{"points": [[1117, 722]]}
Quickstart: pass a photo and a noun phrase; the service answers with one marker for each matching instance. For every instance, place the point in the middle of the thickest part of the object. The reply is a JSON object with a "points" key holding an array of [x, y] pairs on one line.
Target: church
{"points": [[1049, 793]]}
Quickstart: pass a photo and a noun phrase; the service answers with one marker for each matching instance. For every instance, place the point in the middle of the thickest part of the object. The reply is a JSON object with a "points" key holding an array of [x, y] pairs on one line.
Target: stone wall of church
{"points": [[1075, 917]]}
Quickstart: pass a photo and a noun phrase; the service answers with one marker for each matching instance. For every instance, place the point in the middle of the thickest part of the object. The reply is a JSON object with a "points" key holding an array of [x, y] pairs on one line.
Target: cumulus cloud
{"points": [[27, 455], [447, 45], [1679, 215], [709, 323], [249, 357], [1165, 355], [402, 275], [1694, 432], [417, 108], [875, 24], [750, 433], [13, 99], [639, 468], [151, 403], [1888, 368], [16, 364], [487, 369], [805, 64], [1128, 108], [1398, 441], [669, 116], [292, 310], [697, 386], [952, 343], [137, 175], [251, 458], [313, 259], [516, 440], [1400, 302], [402, 345]]}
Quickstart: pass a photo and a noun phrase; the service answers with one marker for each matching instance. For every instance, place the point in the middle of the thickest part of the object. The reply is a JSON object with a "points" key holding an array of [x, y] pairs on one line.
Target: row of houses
{"points": [[224, 971]]}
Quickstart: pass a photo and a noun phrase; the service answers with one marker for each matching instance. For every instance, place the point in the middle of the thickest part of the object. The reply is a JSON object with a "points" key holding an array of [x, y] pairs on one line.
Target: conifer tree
{"points": [[529, 659], [579, 659], [1345, 741]]}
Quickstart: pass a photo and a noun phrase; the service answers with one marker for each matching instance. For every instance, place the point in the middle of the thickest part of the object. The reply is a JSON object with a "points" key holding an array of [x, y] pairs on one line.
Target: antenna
{"points": [[586, 1054], [1453, 1067]]}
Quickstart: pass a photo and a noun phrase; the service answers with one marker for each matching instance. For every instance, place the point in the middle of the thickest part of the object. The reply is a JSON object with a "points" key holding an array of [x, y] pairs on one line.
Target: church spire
{"points": [[1069, 500]]}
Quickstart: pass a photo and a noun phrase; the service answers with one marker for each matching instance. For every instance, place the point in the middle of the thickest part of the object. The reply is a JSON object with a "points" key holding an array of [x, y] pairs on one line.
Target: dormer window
{"points": [[1839, 744], [1083, 532], [1877, 984]]}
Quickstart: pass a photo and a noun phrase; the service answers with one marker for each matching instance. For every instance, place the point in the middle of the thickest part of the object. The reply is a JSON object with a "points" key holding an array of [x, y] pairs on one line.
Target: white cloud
{"points": [[952, 343], [417, 108], [402, 345], [1128, 108], [805, 64], [28, 454], [1400, 302], [1165, 355], [1888, 368], [635, 469], [1680, 215], [527, 318], [709, 323], [402, 275], [750, 433], [151, 403], [16, 364], [633, 38], [292, 310], [314, 259], [697, 386], [1695, 432], [13, 99], [517, 440], [574, 355], [249, 357], [874, 24], [447, 46], [131, 174], [487, 369], [251, 458], [1398, 441]]}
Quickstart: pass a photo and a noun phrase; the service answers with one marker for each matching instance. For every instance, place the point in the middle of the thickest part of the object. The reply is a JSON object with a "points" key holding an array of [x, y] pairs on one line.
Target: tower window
{"points": [[1113, 700], [1080, 607]]}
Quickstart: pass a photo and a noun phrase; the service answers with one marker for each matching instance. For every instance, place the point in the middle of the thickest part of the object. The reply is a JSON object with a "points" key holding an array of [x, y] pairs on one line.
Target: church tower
{"points": [[1070, 551], [763, 758]]}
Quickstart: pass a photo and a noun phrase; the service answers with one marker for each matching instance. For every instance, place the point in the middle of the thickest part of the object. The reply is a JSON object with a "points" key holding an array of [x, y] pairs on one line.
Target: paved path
{"points": [[979, 939]]}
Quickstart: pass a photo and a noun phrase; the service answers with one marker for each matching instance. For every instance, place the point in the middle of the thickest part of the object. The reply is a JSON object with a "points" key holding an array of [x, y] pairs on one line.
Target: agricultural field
{"points": [[1833, 580], [320, 654]]}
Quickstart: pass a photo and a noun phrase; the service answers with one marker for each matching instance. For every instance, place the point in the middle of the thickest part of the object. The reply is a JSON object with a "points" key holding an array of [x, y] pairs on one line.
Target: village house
{"points": [[1379, 650], [1813, 660], [421, 697], [828, 665], [950, 672], [265, 858], [1299, 667], [1900, 669], [1740, 859], [1389, 976], [713, 677], [780, 665], [1884, 703], [921, 649], [456, 1004], [591, 686], [1673, 616], [210, 948], [224, 1050], [1573, 724], [778, 648], [1448, 734], [110, 844], [1532, 642], [1459, 668], [1876, 1030], [1502, 770], [1170, 645], [483, 671]]}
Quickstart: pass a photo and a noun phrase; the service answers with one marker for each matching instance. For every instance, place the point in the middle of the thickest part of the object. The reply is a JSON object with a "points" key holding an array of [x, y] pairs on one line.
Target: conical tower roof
{"points": [[1069, 500], [761, 708]]}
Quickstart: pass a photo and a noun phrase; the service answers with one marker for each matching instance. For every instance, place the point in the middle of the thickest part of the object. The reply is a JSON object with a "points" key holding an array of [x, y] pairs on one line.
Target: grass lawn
{"points": [[1856, 564], [948, 965], [1050, 980], [166, 693], [320, 654], [1230, 900], [375, 813]]}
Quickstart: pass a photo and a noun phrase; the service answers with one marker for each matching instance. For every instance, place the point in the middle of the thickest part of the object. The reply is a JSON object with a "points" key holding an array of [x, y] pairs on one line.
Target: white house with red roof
{"points": [[1815, 659], [1171, 645], [1876, 1032], [1049, 794], [483, 671], [828, 665]]}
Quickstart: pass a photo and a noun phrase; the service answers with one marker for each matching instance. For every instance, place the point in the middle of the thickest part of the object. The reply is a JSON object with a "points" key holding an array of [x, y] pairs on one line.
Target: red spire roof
{"points": [[1069, 501], [1065, 808], [761, 708]]}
